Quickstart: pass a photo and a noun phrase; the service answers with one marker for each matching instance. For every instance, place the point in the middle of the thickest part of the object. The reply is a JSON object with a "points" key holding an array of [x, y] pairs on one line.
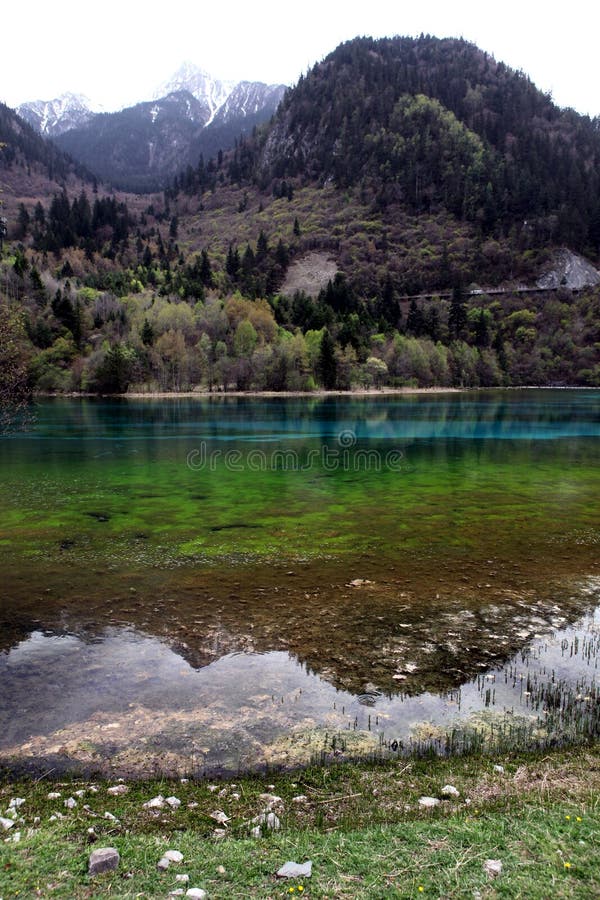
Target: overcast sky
{"points": [[118, 51]]}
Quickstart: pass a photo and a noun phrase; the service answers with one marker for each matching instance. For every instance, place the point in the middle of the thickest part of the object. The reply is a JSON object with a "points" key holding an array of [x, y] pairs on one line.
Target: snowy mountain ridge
{"points": [[219, 100], [53, 117]]}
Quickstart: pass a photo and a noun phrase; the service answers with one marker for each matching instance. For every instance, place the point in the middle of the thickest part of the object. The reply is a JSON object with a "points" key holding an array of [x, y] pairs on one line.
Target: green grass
{"points": [[361, 826]]}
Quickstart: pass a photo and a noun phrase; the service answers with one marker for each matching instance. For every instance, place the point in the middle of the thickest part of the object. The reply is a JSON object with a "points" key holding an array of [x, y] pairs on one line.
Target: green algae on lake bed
{"points": [[237, 571]]}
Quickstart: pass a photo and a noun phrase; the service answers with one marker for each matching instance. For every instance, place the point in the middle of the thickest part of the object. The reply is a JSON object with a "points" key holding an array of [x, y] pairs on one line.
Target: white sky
{"points": [[118, 51]]}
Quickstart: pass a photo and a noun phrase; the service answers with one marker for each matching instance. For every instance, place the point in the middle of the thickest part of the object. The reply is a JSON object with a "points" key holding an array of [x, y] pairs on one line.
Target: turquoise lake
{"points": [[210, 584]]}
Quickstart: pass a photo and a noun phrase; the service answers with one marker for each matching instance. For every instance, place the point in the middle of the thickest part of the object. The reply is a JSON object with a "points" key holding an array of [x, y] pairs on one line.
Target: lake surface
{"points": [[197, 585]]}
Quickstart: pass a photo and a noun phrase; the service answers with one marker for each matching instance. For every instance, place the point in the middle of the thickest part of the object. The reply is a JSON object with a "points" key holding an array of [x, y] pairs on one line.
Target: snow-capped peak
{"points": [[209, 91]]}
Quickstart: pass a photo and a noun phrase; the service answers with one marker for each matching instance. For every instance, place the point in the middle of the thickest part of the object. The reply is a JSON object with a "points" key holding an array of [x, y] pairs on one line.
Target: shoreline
{"points": [[360, 392]]}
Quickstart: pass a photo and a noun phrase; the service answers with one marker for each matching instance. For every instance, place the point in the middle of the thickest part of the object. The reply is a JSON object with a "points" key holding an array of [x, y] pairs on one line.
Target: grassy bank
{"points": [[361, 825]]}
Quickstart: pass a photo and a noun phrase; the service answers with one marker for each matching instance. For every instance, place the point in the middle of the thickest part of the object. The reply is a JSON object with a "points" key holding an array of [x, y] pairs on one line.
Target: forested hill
{"points": [[439, 123]]}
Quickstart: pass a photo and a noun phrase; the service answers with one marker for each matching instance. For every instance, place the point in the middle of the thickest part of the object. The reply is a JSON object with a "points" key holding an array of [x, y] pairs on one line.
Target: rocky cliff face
{"points": [[571, 271]]}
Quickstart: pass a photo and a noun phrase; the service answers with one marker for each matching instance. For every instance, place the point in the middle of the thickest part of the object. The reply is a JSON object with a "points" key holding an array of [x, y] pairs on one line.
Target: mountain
{"points": [[138, 148], [54, 117], [250, 98], [224, 101], [438, 124], [414, 212], [143, 147], [210, 92]]}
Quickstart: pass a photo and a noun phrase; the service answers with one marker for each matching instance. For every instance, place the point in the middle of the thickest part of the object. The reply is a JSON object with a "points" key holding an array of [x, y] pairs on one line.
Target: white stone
{"points": [[109, 815], [301, 798], [53, 795], [155, 803], [6, 823], [173, 802], [16, 802], [198, 893], [71, 803], [219, 816], [80, 793], [428, 802], [183, 879], [256, 832], [212, 788], [499, 769], [163, 864], [493, 867], [449, 791], [174, 856], [118, 790], [295, 870], [269, 820]]}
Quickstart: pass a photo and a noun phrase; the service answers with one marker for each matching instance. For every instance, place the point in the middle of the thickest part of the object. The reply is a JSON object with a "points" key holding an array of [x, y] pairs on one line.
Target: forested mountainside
{"points": [[440, 123], [434, 197], [23, 146]]}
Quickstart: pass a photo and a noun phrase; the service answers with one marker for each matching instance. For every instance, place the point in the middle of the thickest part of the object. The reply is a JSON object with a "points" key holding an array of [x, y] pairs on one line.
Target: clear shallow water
{"points": [[196, 584]]}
